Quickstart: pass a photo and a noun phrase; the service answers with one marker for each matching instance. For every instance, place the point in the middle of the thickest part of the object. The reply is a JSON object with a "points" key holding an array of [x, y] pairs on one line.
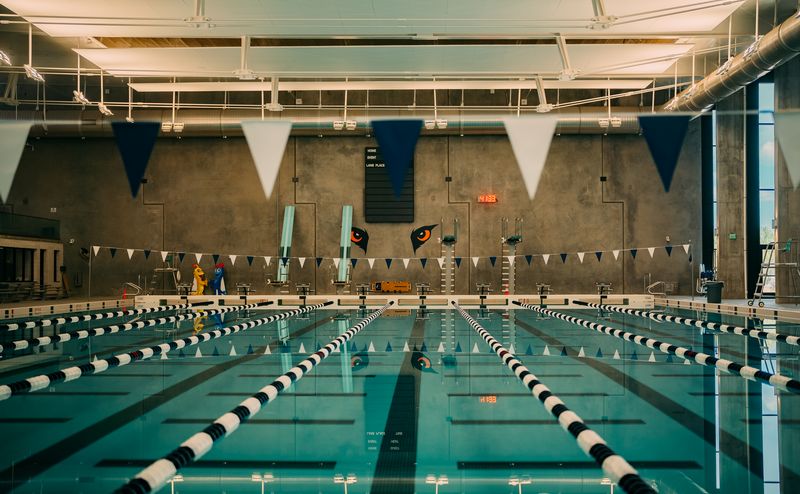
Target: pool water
{"points": [[415, 398]]}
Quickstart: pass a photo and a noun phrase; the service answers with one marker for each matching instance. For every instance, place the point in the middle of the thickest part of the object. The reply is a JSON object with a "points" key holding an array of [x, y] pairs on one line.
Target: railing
{"points": [[21, 225]]}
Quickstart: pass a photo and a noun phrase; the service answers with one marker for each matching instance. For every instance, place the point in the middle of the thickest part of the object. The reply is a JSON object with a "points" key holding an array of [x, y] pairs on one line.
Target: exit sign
{"points": [[487, 198]]}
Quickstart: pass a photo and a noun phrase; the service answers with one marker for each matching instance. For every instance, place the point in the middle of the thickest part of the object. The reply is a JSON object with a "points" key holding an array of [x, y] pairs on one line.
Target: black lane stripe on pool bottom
{"points": [[229, 464], [685, 417], [546, 421], [267, 421], [27, 468], [574, 465]]}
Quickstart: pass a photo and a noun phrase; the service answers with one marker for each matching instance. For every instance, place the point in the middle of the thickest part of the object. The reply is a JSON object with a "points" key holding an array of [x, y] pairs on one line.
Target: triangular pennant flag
{"points": [[233, 257], [563, 351], [95, 249], [302, 261], [267, 351], [581, 353], [634, 356], [458, 348], [668, 248], [686, 248], [250, 260], [146, 254], [475, 348], [13, 136], [267, 260], [197, 257], [371, 347], [616, 254], [397, 140], [130, 253], [423, 261], [440, 348], [510, 260], [563, 257], [113, 251], [285, 261], [388, 347], [405, 263], [616, 355], [250, 349], [286, 347], [633, 253], [388, 263], [530, 140], [371, 262], [664, 136], [354, 261], [652, 251], [164, 255], [687, 362], [215, 257], [181, 255], [232, 353], [511, 349], [135, 141], [546, 351], [197, 354], [267, 142], [493, 260], [405, 347], [475, 261], [458, 262], [786, 126], [424, 347], [180, 353], [580, 256], [529, 350], [545, 258], [599, 255], [599, 353], [415, 349], [319, 261], [215, 353], [652, 357], [669, 358], [441, 262], [336, 262], [529, 259], [302, 348]]}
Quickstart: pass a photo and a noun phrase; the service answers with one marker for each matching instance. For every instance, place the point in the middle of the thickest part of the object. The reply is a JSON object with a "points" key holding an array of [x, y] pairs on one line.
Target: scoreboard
{"points": [[380, 203]]}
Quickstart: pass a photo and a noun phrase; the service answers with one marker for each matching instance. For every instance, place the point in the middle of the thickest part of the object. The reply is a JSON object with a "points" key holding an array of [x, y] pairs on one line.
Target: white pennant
{"points": [[302, 348], [546, 350], [616, 355], [405, 263], [580, 256], [511, 349], [267, 141], [233, 259], [440, 349], [267, 351], [652, 251], [475, 348], [510, 263], [371, 262], [405, 347], [652, 357], [336, 260], [786, 131], [198, 257], [581, 353], [268, 260], [530, 139], [12, 142], [545, 258], [475, 261], [371, 347], [302, 261], [686, 248], [197, 354], [441, 262], [96, 249], [164, 255], [130, 253], [616, 254], [233, 351]]}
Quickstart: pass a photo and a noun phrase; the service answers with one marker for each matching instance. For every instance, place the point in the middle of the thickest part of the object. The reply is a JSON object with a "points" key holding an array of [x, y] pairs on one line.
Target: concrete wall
{"points": [[203, 195]]}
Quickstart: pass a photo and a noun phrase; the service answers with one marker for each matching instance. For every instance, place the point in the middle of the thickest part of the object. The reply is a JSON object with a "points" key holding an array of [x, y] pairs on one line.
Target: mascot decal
{"points": [[360, 238], [200, 282], [421, 235], [218, 283]]}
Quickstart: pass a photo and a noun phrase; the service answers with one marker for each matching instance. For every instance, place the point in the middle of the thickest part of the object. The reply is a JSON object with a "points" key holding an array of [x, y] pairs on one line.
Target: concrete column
{"points": [[730, 194], [787, 95]]}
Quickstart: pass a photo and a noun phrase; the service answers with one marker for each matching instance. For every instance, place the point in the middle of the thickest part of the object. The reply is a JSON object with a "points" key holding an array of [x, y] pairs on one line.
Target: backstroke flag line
{"points": [[135, 141], [530, 139], [397, 140], [267, 141], [664, 136], [12, 141], [787, 125]]}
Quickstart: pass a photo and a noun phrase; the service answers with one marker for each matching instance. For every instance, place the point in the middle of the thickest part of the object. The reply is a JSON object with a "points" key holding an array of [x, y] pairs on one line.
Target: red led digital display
{"points": [[487, 198], [488, 399]]}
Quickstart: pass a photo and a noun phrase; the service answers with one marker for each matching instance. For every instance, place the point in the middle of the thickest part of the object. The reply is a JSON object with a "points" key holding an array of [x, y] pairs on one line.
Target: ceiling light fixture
{"points": [[104, 110], [79, 97], [4, 59], [29, 70], [102, 105]]}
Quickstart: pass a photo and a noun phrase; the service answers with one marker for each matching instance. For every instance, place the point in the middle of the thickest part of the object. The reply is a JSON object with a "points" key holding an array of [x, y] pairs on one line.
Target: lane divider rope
{"points": [[745, 371], [97, 366], [13, 326], [613, 465], [725, 328], [116, 328], [158, 473]]}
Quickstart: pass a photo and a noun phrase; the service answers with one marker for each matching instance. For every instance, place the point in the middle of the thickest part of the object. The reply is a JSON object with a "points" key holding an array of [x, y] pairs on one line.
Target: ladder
{"points": [[763, 274]]}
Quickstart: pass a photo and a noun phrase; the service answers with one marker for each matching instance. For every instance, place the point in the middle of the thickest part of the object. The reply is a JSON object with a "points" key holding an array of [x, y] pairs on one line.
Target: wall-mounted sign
{"points": [[487, 198]]}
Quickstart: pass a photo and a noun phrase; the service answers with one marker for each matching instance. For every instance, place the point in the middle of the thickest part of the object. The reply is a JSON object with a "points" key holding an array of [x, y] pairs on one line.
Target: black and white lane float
{"points": [[697, 323], [744, 371], [116, 328], [97, 366], [613, 465], [13, 326], [158, 473]]}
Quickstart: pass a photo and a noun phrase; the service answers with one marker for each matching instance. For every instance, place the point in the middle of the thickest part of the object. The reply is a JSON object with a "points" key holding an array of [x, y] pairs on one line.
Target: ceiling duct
{"points": [[773, 49], [226, 123]]}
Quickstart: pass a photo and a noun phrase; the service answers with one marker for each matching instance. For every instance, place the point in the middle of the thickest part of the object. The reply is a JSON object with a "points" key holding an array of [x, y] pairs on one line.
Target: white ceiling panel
{"points": [[354, 61]]}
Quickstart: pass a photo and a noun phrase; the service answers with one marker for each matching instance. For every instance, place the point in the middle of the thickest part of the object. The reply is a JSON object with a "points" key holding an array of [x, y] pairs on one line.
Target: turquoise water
{"points": [[389, 420]]}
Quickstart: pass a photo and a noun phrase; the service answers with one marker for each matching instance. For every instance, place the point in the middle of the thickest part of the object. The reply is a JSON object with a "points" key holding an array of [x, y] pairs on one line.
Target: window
{"points": [[766, 175]]}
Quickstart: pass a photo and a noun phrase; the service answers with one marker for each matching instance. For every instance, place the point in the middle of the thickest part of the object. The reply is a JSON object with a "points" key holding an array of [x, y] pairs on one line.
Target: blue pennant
{"points": [[458, 262], [250, 260], [388, 263], [113, 251], [633, 253], [249, 349], [181, 255], [215, 257], [364, 348], [397, 140], [668, 248], [147, 254], [563, 257], [353, 347], [415, 349], [423, 261], [664, 136], [284, 261], [423, 348], [599, 255], [319, 261], [216, 352], [529, 258], [599, 353], [135, 141], [458, 348], [669, 358], [529, 351], [634, 356], [493, 260], [180, 353], [388, 346], [563, 351], [354, 261]]}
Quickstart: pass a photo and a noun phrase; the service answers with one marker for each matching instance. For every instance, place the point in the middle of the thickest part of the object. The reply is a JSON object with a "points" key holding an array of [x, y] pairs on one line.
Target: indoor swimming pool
{"points": [[414, 402]]}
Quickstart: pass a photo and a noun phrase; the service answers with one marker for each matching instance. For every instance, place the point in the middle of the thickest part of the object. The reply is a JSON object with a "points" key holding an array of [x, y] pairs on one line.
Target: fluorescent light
{"points": [[177, 127], [104, 109], [616, 122], [430, 124], [166, 126], [338, 124], [4, 58], [79, 97], [441, 124], [351, 124], [33, 73]]}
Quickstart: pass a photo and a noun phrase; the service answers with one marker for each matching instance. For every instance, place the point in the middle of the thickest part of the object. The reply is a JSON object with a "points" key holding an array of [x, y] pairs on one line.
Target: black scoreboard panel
{"points": [[380, 203]]}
